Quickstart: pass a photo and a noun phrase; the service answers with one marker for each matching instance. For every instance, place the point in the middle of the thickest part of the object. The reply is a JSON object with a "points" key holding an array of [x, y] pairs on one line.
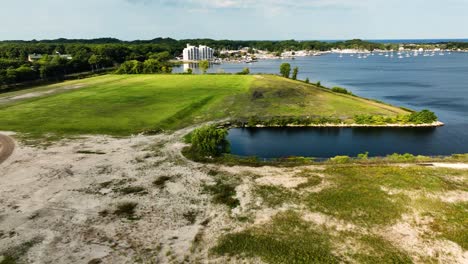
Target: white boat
{"points": [[400, 57]]}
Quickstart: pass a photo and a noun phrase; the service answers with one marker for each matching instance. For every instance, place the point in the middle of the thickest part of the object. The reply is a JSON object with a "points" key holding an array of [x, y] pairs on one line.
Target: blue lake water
{"points": [[438, 83]]}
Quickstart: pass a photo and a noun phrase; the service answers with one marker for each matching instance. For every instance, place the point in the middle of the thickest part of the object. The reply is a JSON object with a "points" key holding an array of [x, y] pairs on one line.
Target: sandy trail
{"points": [[7, 146], [20, 97], [460, 166]]}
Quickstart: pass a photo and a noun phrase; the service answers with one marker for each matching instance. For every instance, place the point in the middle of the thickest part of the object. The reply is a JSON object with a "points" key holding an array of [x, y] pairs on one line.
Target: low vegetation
{"points": [[347, 220], [223, 190], [287, 239], [209, 141], [341, 90], [422, 117]]}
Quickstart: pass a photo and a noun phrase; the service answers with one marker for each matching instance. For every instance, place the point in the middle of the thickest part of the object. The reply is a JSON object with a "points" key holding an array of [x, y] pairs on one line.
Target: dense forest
{"points": [[97, 54]]}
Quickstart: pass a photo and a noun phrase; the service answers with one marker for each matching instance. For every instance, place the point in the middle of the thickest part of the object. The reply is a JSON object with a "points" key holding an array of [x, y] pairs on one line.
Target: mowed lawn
{"points": [[124, 104], [129, 104]]}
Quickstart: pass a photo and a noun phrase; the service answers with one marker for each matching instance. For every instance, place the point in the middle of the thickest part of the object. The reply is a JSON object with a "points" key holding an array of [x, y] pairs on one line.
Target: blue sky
{"points": [[233, 19]]}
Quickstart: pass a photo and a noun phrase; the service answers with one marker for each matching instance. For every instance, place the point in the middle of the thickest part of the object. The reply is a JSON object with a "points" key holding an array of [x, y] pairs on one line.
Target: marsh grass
{"points": [[274, 196], [223, 190], [161, 181], [449, 220], [125, 209], [14, 254], [286, 239], [132, 190], [378, 250]]}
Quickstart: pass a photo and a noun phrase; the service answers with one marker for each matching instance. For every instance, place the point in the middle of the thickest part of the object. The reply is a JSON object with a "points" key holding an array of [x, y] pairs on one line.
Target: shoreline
{"points": [[344, 125]]}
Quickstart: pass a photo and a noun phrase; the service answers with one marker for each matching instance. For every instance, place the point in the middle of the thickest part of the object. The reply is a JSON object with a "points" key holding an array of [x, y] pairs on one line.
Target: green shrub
{"points": [[245, 71], [224, 190], [125, 209], [210, 141], [363, 156], [423, 117], [340, 90], [340, 159], [285, 70], [307, 80], [401, 157]]}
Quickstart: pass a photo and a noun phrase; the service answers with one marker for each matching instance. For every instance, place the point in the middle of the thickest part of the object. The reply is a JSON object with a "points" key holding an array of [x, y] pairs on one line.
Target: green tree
{"points": [[245, 71], [295, 72], [189, 71], [285, 70], [307, 80], [210, 141], [204, 65], [130, 67], [151, 66]]}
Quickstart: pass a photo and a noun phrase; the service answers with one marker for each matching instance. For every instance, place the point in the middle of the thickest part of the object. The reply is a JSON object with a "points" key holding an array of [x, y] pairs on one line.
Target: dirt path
{"points": [[7, 145], [19, 97]]}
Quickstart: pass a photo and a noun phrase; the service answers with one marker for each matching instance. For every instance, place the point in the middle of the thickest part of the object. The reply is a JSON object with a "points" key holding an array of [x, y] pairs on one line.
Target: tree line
{"points": [[96, 54], [84, 57]]}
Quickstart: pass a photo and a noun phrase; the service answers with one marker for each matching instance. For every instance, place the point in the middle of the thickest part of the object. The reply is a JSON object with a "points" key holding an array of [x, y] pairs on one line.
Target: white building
{"points": [[192, 53]]}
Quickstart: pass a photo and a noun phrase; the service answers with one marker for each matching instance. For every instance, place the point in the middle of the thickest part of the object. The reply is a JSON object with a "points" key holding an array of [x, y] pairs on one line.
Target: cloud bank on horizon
{"points": [[234, 19]]}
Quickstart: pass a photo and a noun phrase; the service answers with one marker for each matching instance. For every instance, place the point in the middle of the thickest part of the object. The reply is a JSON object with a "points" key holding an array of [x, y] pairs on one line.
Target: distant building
{"points": [[35, 57], [193, 53]]}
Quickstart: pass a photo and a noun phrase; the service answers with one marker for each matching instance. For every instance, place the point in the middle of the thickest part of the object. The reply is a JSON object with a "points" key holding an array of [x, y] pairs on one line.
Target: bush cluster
{"points": [[209, 141], [423, 117], [282, 121], [341, 90], [147, 67]]}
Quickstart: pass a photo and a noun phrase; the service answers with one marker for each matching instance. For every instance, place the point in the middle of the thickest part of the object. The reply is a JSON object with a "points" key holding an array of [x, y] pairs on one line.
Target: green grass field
{"points": [[128, 104]]}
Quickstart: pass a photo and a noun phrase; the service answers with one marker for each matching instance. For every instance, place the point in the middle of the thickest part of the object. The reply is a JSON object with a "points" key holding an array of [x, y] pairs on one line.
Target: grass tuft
{"points": [[286, 239]]}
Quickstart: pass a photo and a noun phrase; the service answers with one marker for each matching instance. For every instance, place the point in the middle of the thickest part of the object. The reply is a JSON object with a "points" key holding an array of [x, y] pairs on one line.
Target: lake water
{"points": [[438, 83]]}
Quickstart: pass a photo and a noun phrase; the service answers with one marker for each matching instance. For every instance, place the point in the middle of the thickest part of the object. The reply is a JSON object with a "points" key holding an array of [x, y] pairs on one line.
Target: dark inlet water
{"points": [[330, 142], [438, 83]]}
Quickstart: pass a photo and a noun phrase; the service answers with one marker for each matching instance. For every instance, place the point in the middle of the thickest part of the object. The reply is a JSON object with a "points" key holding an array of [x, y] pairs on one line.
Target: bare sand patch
{"points": [[461, 166]]}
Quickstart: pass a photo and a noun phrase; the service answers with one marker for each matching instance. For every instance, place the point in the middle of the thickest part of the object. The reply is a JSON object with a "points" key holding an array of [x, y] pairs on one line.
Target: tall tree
{"points": [[204, 65], [285, 70], [295, 72]]}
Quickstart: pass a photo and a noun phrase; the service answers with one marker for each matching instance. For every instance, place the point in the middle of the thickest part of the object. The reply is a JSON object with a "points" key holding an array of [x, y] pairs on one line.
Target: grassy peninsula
{"points": [[128, 104]]}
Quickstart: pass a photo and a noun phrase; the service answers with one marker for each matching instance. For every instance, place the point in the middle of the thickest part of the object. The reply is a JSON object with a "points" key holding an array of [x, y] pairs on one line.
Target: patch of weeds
{"points": [[363, 204], [90, 152], [213, 172], [105, 184], [450, 220], [190, 216], [125, 209], [274, 196], [357, 197], [311, 182], [224, 190], [161, 181], [286, 239], [378, 250], [407, 178], [14, 254], [197, 240], [133, 190], [139, 159], [104, 169]]}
